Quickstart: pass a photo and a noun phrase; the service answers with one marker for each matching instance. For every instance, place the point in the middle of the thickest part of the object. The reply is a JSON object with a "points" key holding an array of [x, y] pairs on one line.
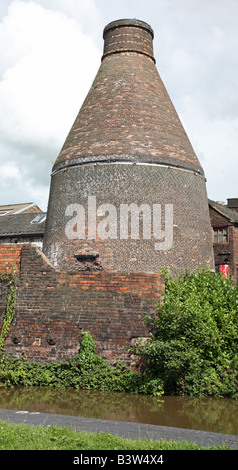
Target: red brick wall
{"points": [[54, 307], [221, 250], [10, 258], [217, 220], [33, 210], [234, 251]]}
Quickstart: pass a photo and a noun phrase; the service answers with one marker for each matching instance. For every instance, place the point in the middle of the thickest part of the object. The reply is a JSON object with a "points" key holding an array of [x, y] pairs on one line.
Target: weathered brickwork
{"points": [[217, 220], [128, 36], [10, 255], [128, 116], [226, 252], [33, 210], [234, 257], [118, 184], [54, 307], [127, 145]]}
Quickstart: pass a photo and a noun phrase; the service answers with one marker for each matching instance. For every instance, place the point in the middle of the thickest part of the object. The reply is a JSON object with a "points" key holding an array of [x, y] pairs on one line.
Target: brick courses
{"points": [[117, 184], [128, 36], [10, 255], [127, 145], [226, 250], [128, 116], [54, 307]]}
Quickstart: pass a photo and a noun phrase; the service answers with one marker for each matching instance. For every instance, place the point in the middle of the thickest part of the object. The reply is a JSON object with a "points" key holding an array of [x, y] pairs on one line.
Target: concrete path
{"points": [[121, 428]]}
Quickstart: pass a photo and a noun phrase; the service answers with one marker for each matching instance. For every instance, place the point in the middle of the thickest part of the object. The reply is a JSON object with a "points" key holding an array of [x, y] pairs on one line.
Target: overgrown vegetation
{"points": [[193, 349], [85, 371], [9, 281], [25, 437], [194, 346]]}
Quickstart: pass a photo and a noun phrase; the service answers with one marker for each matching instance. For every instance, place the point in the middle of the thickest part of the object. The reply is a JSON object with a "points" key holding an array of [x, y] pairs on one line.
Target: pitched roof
{"points": [[22, 224], [224, 210], [17, 208]]}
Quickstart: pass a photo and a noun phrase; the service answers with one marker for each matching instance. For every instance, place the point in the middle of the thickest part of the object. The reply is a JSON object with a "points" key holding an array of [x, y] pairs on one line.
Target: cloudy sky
{"points": [[50, 51]]}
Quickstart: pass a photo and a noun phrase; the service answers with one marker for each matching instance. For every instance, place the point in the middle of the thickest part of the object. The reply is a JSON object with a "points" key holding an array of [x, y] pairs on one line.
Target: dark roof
{"points": [[21, 224], [230, 214]]}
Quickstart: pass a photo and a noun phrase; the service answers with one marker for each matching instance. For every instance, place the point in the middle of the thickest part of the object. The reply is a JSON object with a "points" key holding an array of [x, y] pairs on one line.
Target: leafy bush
{"points": [[193, 349], [8, 280], [194, 346], [86, 371]]}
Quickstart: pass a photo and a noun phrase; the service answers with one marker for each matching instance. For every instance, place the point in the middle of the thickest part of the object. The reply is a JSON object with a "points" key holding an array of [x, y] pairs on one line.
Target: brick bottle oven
{"points": [[126, 149], [127, 146]]}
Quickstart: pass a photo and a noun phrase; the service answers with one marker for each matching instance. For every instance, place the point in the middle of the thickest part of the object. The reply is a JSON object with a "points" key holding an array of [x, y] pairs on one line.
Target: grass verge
{"points": [[25, 437]]}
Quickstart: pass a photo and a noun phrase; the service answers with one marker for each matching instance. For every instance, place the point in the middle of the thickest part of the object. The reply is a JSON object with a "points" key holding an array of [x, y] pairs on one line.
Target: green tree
{"points": [[194, 346]]}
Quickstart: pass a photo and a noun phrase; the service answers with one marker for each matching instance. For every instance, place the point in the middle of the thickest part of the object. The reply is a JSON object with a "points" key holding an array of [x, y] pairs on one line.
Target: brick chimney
{"points": [[128, 146], [128, 36], [232, 203]]}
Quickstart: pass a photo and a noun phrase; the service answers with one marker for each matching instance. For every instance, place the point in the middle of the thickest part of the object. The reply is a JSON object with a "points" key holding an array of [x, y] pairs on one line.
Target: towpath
{"points": [[121, 428]]}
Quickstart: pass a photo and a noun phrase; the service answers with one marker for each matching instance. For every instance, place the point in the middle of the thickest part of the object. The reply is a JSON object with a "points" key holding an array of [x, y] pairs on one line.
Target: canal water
{"points": [[206, 414]]}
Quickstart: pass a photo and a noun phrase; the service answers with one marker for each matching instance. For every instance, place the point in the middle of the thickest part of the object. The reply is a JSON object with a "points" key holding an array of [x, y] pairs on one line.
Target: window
{"points": [[2, 213], [39, 219], [220, 235]]}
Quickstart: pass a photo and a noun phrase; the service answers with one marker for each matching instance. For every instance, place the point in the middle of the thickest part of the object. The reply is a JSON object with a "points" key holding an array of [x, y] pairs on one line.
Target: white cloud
{"points": [[9, 174], [198, 50], [50, 51], [85, 12], [215, 140], [48, 66]]}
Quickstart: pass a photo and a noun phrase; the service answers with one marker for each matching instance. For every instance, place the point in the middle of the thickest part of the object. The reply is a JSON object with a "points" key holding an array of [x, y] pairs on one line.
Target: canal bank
{"points": [[120, 428]]}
